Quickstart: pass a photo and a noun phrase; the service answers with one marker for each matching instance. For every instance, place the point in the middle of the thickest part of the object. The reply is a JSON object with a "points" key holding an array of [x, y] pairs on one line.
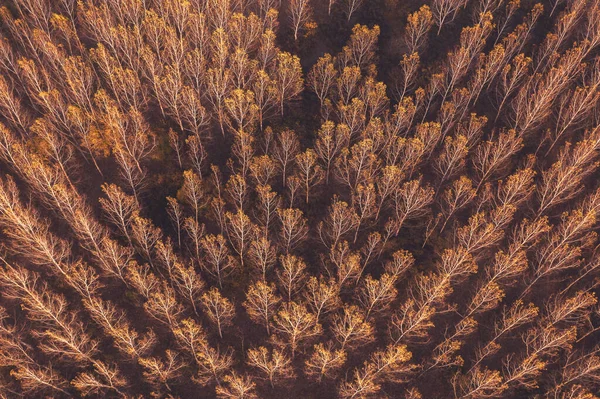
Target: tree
{"points": [[347, 84], [294, 185], [188, 283], [308, 170], [479, 383], [543, 343], [115, 323], [212, 365], [331, 139], [33, 376], [294, 325], [176, 145], [12, 107], [368, 250], [266, 95], [119, 208], [360, 163], [163, 305], [191, 112], [300, 15], [511, 77], [351, 7], [292, 274], [268, 205], [560, 182], [293, 228], [238, 387], [194, 231], [219, 86], [196, 153], [145, 236], [263, 255], [322, 295], [322, 76], [160, 372], [287, 146], [376, 295], [275, 365], [492, 157], [131, 139], [219, 309], [242, 110], [512, 317], [347, 264], [400, 263], [192, 191], [340, 220], [452, 158], [263, 169], [324, 362], [580, 368], [418, 25], [363, 200], [28, 233], [288, 75], [241, 231], [354, 115], [268, 49], [384, 364], [573, 107], [261, 303], [444, 11], [456, 197], [409, 66], [528, 115], [62, 332], [374, 95], [243, 150], [88, 383], [176, 216], [411, 201], [237, 190], [351, 329], [218, 261]]}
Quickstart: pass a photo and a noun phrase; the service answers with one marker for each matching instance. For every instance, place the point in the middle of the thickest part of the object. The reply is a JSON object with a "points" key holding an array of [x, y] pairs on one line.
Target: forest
{"points": [[249, 199]]}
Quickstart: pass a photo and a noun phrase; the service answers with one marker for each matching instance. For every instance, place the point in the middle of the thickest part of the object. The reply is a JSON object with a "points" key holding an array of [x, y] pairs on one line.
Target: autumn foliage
{"points": [[299, 199]]}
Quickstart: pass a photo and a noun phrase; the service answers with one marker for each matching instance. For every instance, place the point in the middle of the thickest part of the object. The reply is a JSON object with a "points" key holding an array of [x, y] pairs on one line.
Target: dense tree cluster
{"points": [[188, 210]]}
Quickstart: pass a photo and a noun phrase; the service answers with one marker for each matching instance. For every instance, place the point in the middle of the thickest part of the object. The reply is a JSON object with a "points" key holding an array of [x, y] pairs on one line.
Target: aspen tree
{"points": [[263, 255], [261, 303], [218, 262], [294, 325], [238, 387], [219, 309], [340, 220], [288, 76], [286, 149], [274, 364], [240, 231], [308, 170], [324, 362], [300, 14], [292, 274], [350, 327], [161, 372], [383, 364], [321, 295], [418, 25], [322, 77], [293, 228]]}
